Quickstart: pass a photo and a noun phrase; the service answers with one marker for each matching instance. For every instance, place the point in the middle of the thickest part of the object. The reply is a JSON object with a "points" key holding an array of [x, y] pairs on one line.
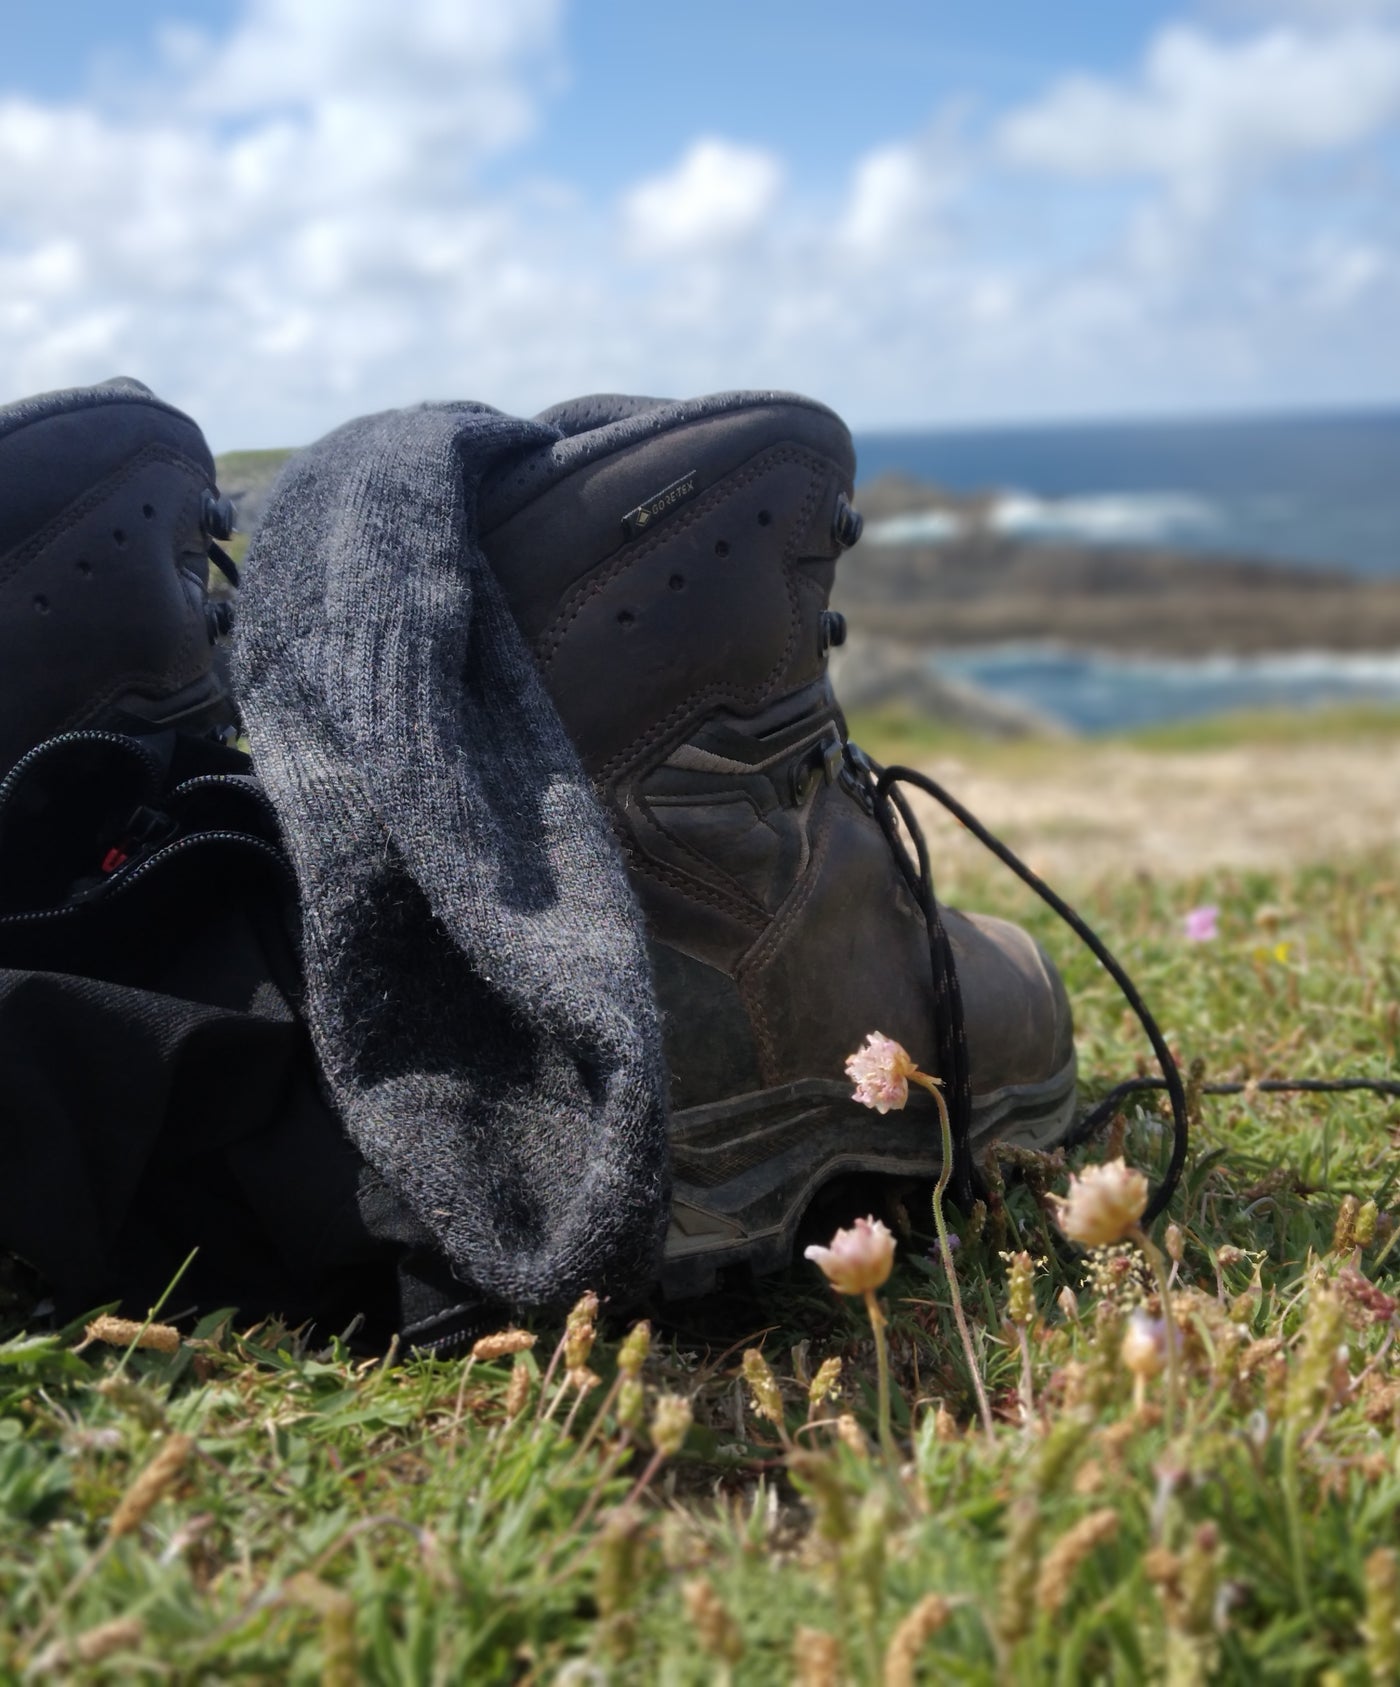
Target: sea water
{"points": [[1320, 490]]}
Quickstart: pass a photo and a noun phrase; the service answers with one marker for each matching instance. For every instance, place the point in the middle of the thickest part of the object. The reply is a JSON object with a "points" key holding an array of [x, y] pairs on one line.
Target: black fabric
{"points": [[159, 1089]]}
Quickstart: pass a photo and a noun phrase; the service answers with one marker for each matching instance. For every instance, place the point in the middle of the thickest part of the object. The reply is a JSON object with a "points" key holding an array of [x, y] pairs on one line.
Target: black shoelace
{"points": [[882, 785]]}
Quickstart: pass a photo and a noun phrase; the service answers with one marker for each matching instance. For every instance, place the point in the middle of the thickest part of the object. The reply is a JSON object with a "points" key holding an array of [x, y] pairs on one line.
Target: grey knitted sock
{"points": [[477, 984]]}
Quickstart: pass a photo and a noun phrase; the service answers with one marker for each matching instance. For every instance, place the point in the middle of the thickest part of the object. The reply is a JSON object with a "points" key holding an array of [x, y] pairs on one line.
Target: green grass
{"points": [[338, 1520], [897, 734]]}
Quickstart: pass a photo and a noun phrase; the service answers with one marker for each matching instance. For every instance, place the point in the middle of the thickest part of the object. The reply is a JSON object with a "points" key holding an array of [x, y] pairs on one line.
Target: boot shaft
{"points": [[672, 568], [107, 508]]}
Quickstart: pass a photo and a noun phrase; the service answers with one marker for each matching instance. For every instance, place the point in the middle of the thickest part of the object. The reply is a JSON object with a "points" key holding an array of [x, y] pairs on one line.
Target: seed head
{"points": [[503, 1344], [908, 1640], [671, 1419], [579, 1332], [715, 1629], [632, 1355], [518, 1388], [763, 1385], [816, 1658], [825, 1382], [154, 1480], [859, 1259], [1344, 1230], [1068, 1553], [1104, 1203], [1020, 1288], [880, 1069], [124, 1332]]}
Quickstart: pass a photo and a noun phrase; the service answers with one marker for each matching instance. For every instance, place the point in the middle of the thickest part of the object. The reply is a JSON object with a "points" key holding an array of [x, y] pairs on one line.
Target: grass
{"points": [[320, 1517], [899, 734]]}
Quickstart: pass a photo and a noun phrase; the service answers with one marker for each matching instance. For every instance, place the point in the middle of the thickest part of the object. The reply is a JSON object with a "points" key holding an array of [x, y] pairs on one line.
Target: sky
{"points": [[284, 213]]}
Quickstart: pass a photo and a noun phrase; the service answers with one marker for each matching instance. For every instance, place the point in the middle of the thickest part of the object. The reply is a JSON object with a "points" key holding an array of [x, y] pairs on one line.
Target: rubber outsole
{"points": [[746, 1169]]}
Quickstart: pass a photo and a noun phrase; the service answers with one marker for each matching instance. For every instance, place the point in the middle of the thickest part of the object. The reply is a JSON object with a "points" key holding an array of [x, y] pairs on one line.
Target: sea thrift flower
{"points": [[1199, 923], [1104, 1204], [859, 1259], [880, 1070]]}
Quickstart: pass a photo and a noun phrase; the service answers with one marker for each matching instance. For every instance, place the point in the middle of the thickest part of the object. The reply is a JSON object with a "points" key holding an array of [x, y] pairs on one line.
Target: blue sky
{"points": [[284, 212]]}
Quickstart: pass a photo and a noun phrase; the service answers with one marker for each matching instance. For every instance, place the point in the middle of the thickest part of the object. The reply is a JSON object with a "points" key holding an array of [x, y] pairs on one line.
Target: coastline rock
{"points": [[883, 673]]}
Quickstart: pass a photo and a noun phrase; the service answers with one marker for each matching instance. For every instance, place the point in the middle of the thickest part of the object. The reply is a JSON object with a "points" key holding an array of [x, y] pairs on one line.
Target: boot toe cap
{"points": [[1020, 1028]]}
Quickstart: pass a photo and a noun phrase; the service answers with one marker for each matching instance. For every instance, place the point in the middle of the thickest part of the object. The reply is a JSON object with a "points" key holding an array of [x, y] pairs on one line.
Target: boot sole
{"points": [[745, 1170]]}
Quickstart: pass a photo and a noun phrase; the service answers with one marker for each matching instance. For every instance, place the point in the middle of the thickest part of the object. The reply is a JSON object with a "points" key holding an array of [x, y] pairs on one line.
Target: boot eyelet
{"points": [[833, 629], [721, 547], [847, 524], [626, 619], [216, 515]]}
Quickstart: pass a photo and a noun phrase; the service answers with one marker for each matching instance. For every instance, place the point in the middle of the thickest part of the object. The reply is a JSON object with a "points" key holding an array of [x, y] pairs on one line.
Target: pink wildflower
{"points": [[880, 1069], [1199, 923], [859, 1259]]}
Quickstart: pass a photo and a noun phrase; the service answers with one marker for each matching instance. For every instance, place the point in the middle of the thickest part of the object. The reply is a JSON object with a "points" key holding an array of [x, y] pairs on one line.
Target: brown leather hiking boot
{"points": [[671, 565]]}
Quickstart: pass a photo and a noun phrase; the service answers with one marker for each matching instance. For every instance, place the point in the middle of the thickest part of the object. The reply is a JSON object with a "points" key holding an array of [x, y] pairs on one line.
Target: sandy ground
{"points": [[1089, 811]]}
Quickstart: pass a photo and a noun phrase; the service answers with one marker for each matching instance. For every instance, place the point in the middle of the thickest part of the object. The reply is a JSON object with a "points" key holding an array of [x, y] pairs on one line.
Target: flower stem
{"points": [[882, 1365], [1157, 1261], [945, 1172]]}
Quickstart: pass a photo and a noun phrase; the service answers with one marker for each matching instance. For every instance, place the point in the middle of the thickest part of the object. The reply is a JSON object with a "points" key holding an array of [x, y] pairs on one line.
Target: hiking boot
{"points": [[107, 514], [671, 565]]}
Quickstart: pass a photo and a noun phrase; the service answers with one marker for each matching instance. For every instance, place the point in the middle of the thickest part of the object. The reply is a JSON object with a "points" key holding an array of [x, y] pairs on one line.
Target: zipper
{"points": [[126, 877]]}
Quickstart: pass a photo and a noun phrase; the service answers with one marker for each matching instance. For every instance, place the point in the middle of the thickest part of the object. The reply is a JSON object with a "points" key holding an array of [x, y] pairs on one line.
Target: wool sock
{"points": [[477, 984]]}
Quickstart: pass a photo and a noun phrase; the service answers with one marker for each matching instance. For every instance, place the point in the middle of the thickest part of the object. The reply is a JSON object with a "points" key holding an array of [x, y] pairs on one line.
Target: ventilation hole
{"points": [[119, 538], [41, 604], [84, 566], [764, 518], [148, 510], [721, 547], [625, 617], [677, 582]]}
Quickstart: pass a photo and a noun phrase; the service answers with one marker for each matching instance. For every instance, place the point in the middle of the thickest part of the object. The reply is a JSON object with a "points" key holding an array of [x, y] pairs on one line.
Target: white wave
{"points": [[1096, 518], [923, 527], [1102, 517], [1297, 667]]}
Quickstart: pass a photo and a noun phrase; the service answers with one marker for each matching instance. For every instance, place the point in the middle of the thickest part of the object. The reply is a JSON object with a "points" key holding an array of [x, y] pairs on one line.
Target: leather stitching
{"points": [[708, 696]]}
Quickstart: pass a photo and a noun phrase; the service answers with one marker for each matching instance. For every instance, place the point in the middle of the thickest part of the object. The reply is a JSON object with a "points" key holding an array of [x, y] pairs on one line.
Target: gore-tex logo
{"points": [[650, 509]]}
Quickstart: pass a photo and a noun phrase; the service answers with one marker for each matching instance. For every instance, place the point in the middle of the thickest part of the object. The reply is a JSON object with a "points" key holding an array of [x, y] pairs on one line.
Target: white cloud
{"points": [[316, 214], [715, 196], [1206, 112]]}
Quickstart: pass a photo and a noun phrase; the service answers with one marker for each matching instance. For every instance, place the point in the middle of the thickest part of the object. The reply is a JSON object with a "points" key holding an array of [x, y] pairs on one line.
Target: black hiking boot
{"points": [[671, 564], [106, 521]]}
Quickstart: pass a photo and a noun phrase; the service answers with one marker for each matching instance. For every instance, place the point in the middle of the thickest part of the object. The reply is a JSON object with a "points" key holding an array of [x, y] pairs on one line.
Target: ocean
{"points": [[1310, 489]]}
